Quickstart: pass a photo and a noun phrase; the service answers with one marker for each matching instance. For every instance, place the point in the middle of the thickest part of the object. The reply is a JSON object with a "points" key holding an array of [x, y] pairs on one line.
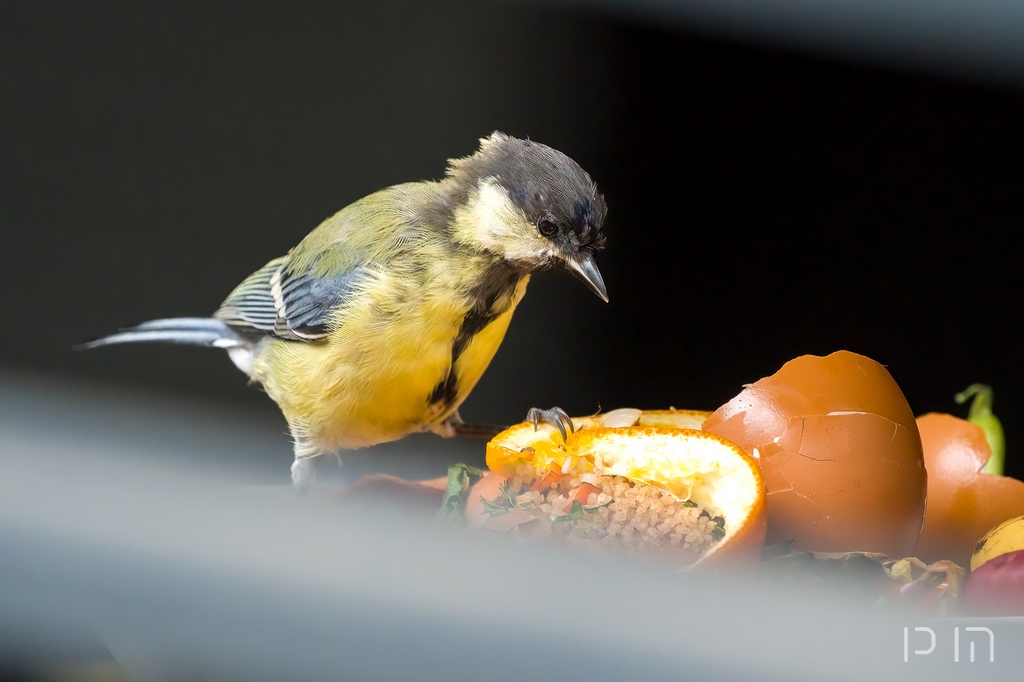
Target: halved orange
{"points": [[692, 496], [503, 452]]}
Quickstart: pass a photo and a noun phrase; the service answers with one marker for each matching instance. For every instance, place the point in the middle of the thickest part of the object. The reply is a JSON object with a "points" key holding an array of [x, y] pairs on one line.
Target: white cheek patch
{"points": [[492, 221]]}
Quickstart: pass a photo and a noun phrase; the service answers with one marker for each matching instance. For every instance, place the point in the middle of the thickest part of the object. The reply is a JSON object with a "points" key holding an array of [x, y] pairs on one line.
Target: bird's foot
{"points": [[556, 416], [303, 473], [454, 426]]}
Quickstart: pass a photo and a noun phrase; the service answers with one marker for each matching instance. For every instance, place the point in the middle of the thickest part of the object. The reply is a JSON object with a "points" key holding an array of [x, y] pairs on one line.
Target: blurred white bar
{"points": [[976, 39], [185, 574]]}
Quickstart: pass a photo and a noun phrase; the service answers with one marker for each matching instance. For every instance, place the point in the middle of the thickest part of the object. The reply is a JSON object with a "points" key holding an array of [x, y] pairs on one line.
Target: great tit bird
{"points": [[380, 322]]}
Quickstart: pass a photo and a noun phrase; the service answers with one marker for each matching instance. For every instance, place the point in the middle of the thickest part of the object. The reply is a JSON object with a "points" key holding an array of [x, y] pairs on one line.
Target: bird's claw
{"points": [[303, 473], [556, 416]]}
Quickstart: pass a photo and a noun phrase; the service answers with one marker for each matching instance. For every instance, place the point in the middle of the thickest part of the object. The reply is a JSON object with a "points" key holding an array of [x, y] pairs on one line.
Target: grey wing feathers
{"points": [[306, 300], [251, 306], [290, 305]]}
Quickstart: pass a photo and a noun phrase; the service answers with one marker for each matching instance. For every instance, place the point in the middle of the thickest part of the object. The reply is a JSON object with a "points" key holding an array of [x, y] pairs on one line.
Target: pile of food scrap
{"points": [[819, 471]]}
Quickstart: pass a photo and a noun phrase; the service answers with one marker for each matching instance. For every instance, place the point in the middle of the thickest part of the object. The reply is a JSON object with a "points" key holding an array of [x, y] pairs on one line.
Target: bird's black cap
{"points": [[543, 182]]}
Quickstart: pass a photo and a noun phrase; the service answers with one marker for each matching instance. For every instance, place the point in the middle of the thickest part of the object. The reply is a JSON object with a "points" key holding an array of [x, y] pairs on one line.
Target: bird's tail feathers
{"points": [[194, 331]]}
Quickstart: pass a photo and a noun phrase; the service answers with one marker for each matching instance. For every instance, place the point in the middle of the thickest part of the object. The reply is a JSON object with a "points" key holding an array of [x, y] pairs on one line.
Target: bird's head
{"points": [[531, 205]]}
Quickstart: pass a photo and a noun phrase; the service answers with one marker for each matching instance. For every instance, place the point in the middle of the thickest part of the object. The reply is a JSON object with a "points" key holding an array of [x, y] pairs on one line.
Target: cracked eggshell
{"points": [[840, 453], [964, 503]]}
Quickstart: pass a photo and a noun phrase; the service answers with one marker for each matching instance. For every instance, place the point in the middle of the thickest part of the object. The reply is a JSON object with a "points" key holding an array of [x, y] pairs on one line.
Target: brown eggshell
{"points": [[487, 487], [840, 453], [963, 502]]}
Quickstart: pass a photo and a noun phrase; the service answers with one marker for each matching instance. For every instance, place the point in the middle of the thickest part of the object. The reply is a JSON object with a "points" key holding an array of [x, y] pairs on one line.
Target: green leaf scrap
{"points": [[575, 514], [506, 490], [497, 507], [461, 478]]}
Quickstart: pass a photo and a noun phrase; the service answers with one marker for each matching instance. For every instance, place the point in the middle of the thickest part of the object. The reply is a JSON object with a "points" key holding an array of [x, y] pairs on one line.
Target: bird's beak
{"points": [[584, 267]]}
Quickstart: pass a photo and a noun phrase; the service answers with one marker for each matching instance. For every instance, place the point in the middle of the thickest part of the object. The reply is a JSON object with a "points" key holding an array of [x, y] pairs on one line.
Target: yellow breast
{"points": [[377, 376], [472, 362]]}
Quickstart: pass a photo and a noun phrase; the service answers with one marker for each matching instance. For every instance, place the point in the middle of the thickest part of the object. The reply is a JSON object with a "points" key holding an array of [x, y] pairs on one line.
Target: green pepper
{"points": [[980, 413]]}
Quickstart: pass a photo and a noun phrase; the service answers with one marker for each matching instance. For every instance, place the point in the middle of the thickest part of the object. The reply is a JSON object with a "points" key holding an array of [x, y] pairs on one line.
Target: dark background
{"points": [[766, 201]]}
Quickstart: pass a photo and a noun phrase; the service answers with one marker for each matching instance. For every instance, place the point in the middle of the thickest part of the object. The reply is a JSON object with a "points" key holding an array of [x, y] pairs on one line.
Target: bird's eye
{"points": [[547, 227]]}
